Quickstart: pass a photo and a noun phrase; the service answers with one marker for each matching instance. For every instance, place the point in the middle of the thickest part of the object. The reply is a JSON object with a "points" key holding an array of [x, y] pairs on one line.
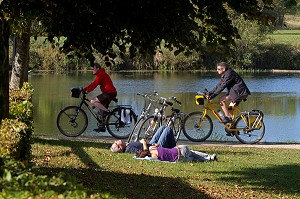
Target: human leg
{"points": [[157, 135], [198, 156], [223, 101], [227, 112], [184, 153], [167, 139], [95, 102]]}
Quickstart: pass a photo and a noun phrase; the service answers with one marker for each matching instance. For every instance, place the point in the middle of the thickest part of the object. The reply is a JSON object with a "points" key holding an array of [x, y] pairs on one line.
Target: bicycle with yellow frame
{"points": [[247, 126]]}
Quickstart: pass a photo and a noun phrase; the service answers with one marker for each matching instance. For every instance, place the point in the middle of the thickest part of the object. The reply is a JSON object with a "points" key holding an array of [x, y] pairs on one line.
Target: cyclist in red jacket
{"points": [[107, 88]]}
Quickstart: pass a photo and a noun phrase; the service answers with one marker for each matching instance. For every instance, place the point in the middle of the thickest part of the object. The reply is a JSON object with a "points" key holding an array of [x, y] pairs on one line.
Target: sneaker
{"points": [[226, 120], [214, 157], [101, 128]]}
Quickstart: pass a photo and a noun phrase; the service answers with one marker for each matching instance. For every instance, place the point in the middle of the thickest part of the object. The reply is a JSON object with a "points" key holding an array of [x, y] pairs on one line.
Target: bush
{"points": [[20, 182], [16, 132]]}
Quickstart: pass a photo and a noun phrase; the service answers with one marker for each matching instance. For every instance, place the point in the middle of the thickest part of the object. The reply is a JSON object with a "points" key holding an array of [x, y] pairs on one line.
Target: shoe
{"points": [[226, 120], [214, 157], [100, 129]]}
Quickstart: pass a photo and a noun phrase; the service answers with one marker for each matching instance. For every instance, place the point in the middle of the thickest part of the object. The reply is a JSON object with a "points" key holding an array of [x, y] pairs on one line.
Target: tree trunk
{"points": [[4, 70], [20, 59]]}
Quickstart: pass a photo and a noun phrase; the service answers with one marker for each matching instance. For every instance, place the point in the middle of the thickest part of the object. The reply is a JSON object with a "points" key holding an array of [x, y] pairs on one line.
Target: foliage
{"points": [[18, 181], [15, 132], [46, 56], [142, 25], [278, 56], [11, 134]]}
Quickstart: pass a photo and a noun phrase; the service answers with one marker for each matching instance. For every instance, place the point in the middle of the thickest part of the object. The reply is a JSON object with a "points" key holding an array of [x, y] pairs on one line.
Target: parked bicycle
{"points": [[153, 122], [148, 105], [72, 121], [247, 126]]}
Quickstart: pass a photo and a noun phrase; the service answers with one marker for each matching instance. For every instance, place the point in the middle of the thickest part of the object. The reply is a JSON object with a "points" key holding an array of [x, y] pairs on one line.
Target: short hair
{"points": [[223, 64], [115, 149], [97, 65]]}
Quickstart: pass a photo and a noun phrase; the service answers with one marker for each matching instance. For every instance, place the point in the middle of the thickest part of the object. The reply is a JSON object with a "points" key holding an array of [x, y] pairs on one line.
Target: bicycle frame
{"points": [[85, 101], [236, 113]]}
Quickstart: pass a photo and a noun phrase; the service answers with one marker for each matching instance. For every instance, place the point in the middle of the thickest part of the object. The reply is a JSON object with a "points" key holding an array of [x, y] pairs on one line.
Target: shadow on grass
{"points": [[282, 178], [122, 185], [119, 184]]}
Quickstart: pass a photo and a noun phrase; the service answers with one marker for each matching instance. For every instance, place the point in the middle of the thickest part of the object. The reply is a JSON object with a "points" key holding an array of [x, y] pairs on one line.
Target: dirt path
{"points": [[206, 143]]}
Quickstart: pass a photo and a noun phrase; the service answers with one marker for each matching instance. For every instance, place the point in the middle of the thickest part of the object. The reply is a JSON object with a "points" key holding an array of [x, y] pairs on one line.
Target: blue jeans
{"points": [[164, 137], [187, 155]]}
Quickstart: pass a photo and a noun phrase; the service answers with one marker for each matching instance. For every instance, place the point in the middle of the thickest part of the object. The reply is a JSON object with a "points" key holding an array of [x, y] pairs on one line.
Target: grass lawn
{"points": [[286, 37], [239, 173]]}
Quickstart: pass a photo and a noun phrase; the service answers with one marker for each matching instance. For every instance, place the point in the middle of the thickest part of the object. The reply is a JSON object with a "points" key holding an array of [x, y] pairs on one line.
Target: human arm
{"points": [[145, 146], [227, 81], [93, 85]]}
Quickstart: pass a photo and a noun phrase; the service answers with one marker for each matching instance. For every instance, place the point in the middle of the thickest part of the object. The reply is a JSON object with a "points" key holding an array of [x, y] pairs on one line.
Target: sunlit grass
{"points": [[286, 37], [239, 173]]}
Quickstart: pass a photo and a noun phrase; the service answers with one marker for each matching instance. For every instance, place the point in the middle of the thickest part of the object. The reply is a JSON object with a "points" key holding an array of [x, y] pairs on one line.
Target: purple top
{"points": [[166, 154]]}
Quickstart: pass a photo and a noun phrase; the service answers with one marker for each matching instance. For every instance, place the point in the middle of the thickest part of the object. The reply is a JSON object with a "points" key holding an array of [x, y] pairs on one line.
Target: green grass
{"points": [[239, 173], [287, 37]]}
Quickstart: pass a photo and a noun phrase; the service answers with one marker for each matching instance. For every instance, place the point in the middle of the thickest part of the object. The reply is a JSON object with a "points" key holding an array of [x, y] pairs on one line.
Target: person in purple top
{"points": [[163, 137], [179, 153]]}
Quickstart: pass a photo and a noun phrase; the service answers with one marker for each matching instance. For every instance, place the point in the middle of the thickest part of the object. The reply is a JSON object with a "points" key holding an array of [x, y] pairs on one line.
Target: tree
{"points": [[142, 25], [4, 69], [20, 58], [98, 25]]}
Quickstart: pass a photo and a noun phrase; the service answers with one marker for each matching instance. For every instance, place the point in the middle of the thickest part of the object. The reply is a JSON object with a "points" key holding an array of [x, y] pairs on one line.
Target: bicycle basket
{"points": [[255, 118], [199, 99], [75, 92]]}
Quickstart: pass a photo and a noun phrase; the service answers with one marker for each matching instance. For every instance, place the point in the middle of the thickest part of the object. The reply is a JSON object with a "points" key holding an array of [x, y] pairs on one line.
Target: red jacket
{"points": [[103, 80]]}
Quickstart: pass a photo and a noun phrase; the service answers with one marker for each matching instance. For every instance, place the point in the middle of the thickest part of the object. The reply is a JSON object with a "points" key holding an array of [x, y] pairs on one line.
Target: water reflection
{"points": [[277, 95]]}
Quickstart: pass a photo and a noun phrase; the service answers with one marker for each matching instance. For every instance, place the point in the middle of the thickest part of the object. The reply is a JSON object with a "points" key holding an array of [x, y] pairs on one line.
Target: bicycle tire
{"points": [[248, 137], [133, 136], [72, 121], [146, 130], [176, 126], [116, 127], [194, 132]]}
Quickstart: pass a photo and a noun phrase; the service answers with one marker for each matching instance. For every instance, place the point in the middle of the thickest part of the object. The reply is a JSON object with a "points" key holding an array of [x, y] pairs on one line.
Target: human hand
{"points": [[84, 91], [142, 141], [152, 148], [208, 97]]}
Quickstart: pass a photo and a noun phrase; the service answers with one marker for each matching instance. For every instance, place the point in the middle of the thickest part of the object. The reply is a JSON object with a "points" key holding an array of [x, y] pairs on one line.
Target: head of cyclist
{"points": [[222, 67], [118, 146], [96, 68]]}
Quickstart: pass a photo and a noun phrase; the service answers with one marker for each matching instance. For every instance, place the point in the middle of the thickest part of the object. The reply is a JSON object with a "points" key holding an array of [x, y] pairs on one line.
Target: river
{"points": [[276, 94]]}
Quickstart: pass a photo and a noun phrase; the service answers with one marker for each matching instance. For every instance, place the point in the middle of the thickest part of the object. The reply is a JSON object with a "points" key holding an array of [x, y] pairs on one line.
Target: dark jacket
{"points": [[236, 87]]}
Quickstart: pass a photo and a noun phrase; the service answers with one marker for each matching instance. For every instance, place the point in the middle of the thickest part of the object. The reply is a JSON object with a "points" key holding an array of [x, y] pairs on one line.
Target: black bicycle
{"points": [[72, 121]]}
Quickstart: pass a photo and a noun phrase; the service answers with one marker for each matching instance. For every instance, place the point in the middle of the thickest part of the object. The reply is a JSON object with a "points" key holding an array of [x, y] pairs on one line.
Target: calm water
{"points": [[277, 95]]}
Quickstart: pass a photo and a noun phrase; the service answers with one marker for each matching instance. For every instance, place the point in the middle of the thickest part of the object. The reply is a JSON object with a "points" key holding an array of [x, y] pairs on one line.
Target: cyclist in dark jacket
{"points": [[236, 87]]}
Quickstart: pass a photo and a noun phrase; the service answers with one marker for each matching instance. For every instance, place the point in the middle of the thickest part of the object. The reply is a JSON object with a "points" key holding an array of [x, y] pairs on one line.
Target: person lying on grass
{"points": [[163, 137], [179, 153]]}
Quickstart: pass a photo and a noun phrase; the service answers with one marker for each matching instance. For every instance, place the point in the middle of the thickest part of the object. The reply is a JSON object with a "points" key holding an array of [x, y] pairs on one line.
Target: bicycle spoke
{"points": [[247, 135], [72, 121]]}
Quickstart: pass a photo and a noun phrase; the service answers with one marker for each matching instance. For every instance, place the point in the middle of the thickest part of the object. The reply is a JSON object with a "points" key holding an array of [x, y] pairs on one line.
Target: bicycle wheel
{"points": [[116, 127], [148, 128], [176, 125], [247, 135], [196, 129], [133, 136], [72, 121]]}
